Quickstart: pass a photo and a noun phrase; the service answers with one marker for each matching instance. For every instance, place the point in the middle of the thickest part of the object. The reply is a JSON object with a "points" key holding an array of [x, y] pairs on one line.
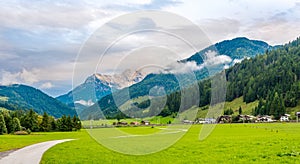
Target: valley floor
{"points": [[228, 143]]}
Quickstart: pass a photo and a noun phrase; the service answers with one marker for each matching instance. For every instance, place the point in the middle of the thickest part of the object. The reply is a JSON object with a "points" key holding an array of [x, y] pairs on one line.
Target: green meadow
{"points": [[228, 143]]}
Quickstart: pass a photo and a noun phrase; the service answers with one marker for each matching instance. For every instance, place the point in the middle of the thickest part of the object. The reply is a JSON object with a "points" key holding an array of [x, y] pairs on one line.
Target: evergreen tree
{"points": [[16, 124], [69, 124], [2, 125], [30, 121], [45, 125], [76, 123], [240, 110]]}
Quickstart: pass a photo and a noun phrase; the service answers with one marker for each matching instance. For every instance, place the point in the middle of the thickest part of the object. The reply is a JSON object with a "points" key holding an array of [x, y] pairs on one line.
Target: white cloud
{"points": [[23, 76], [211, 59], [237, 61], [178, 68], [47, 85], [9, 78], [85, 103]]}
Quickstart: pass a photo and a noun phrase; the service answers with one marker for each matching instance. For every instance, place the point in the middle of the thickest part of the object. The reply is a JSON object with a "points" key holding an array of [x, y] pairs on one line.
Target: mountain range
{"points": [[228, 53], [105, 87]]}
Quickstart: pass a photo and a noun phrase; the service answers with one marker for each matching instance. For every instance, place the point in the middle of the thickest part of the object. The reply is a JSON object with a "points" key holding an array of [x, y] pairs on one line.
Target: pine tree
{"points": [[2, 125], [240, 110], [30, 121], [45, 125], [16, 124], [8, 122]]}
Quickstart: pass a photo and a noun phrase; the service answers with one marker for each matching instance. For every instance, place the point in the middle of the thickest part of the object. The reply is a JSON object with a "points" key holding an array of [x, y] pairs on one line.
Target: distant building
{"points": [[134, 123], [224, 119], [246, 118], [187, 122], [206, 121], [264, 118], [145, 122], [285, 118], [297, 116], [122, 123]]}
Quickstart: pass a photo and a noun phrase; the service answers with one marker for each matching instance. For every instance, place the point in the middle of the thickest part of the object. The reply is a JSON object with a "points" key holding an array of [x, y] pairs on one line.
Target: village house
{"points": [[206, 121], [187, 122], [122, 123], [134, 123], [145, 122], [285, 118], [246, 118], [264, 118], [224, 119]]}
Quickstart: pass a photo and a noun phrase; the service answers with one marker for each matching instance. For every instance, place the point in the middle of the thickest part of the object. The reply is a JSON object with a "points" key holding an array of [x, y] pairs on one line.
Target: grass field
{"points": [[229, 143], [8, 142]]}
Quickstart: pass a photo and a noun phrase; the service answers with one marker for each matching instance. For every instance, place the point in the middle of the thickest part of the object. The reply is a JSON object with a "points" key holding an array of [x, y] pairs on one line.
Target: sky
{"points": [[40, 40]]}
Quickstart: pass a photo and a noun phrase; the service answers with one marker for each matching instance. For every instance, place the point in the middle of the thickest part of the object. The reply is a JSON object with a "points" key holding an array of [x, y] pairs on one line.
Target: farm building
{"points": [[224, 119], [246, 118], [145, 122], [187, 122], [264, 118], [285, 118], [206, 121], [122, 123], [134, 123], [297, 116]]}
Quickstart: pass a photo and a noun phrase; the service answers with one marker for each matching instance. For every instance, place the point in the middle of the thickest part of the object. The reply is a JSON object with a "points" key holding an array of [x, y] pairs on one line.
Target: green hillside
{"points": [[21, 97]]}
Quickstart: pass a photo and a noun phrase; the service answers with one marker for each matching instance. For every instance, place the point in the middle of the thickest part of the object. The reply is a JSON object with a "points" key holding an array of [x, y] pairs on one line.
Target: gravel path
{"points": [[30, 154]]}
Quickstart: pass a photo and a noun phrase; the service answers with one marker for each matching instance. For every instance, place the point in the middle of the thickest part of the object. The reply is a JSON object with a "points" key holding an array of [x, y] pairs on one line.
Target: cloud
{"points": [[46, 85], [23, 76], [179, 68], [237, 61], [85, 103], [272, 28], [142, 5], [9, 78], [211, 58], [220, 28]]}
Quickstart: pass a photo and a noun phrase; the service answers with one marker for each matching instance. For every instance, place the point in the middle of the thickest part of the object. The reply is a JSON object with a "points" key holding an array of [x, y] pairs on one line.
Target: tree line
{"points": [[30, 121]]}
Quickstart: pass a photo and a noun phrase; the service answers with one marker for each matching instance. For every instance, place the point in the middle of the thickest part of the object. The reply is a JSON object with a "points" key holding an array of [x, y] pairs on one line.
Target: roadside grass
{"points": [[228, 143], [9, 141]]}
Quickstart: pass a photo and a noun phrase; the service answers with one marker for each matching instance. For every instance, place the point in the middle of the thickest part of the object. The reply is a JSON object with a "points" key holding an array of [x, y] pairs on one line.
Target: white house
{"points": [[285, 118], [265, 118]]}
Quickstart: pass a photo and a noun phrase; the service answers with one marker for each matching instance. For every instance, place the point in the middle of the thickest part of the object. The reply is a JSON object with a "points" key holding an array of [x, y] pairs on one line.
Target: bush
{"points": [[21, 133], [28, 131]]}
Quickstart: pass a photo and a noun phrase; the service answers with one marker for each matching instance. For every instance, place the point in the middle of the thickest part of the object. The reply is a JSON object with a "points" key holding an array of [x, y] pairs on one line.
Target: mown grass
{"points": [[228, 143], [9, 141]]}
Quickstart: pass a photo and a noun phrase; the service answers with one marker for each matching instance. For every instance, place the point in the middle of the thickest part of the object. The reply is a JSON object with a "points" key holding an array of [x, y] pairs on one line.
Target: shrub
{"points": [[28, 131], [21, 133]]}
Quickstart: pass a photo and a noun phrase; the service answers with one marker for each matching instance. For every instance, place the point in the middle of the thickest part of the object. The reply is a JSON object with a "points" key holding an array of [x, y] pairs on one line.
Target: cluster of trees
{"points": [[12, 121], [273, 105]]}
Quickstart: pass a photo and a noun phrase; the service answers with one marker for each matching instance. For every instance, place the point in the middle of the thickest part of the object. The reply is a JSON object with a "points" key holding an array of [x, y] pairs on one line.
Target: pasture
{"points": [[228, 143]]}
